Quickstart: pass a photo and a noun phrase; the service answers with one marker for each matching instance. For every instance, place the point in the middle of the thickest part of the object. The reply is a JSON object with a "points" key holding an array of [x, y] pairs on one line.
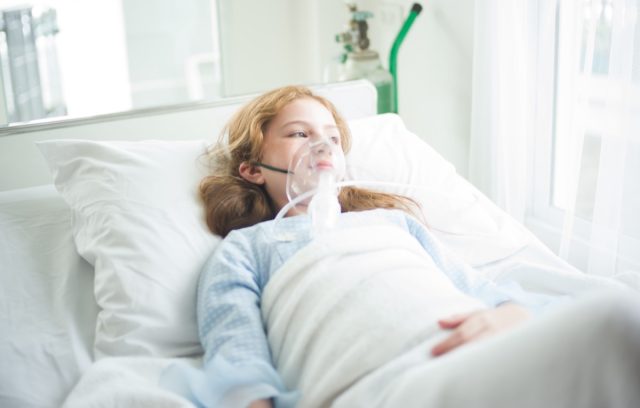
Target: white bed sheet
{"points": [[47, 309]]}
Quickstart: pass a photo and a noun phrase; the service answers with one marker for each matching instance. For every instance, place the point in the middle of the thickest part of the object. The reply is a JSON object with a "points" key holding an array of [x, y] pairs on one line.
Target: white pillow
{"points": [[460, 215], [138, 219]]}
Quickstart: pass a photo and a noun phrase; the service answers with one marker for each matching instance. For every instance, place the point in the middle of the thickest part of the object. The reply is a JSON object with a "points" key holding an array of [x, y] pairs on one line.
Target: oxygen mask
{"points": [[314, 171], [313, 175]]}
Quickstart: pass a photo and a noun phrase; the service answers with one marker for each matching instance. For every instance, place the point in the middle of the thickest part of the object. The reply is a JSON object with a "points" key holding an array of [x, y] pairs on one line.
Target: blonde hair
{"points": [[231, 202]]}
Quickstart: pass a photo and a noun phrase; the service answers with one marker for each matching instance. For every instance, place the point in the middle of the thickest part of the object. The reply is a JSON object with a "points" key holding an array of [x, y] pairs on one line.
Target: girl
{"points": [[243, 194]]}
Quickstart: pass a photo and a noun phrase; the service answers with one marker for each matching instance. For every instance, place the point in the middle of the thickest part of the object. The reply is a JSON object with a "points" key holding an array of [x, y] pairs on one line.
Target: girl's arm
{"points": [[237, 359]]}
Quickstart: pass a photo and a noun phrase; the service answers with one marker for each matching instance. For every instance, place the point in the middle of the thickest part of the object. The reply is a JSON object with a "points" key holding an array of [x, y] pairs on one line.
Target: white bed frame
{"points": [[21, 164]]}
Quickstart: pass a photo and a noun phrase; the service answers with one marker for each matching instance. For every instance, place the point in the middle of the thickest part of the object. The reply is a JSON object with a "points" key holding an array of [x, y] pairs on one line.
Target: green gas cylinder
{"points": [[366, 64]]}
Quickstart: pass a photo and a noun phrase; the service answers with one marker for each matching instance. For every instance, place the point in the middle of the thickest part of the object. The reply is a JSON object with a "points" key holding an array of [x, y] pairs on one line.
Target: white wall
{"points": [[434, 69], [266, 44], [434, 77]]}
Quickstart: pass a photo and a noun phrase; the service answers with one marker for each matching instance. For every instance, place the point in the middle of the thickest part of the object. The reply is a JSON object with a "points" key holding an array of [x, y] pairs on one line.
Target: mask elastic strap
{"points": [[279, 170]]}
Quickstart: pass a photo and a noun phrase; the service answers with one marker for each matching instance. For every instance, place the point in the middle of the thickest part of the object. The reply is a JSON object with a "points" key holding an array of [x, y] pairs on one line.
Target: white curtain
{"points": [[567, 72], [502, 101], [602, 222]]}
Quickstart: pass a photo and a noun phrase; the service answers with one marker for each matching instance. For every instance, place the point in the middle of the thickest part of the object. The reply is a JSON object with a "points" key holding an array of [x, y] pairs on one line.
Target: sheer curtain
{"points": [[601, 225], [502, 111], [565, 75]]}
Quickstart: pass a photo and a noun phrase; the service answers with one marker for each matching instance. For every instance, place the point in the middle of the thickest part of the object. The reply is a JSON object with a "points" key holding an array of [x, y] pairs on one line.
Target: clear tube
{"points": [[324, 207], [347, 183]]}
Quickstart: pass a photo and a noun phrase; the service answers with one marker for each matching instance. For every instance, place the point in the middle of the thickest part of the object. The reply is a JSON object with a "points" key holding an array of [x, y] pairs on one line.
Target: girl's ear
{"points": [[251, 173]]}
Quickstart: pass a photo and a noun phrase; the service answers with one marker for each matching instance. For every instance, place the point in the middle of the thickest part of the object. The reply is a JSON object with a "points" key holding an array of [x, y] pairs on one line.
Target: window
{"points": [[75, 59], [588, 134]]}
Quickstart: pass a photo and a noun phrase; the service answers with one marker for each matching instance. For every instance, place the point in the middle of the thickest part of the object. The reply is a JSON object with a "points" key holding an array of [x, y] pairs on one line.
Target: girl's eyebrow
{"points": [[302, 122]]}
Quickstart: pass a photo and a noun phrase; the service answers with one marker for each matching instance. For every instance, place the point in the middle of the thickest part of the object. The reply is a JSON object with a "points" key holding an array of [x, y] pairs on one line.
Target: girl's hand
{"points": [[264, 403], [476, 325]]}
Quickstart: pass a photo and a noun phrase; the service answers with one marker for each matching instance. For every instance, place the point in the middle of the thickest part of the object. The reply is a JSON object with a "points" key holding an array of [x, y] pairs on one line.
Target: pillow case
{"points": [[456, 212], [137, 219]]}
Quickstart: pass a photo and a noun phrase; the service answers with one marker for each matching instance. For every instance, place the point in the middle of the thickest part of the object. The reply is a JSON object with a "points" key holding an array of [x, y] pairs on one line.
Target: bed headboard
{"points": [[21, 164]]}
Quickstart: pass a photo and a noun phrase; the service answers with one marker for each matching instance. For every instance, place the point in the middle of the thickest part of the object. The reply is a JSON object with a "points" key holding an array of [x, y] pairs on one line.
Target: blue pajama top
{"points": [[237, 361]]}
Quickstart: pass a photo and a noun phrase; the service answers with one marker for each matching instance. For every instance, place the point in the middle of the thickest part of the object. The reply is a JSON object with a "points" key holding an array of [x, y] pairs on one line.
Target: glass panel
{"points": [[631, 194], [81, 58], [600, 13], [604, 95], [588, 178]]}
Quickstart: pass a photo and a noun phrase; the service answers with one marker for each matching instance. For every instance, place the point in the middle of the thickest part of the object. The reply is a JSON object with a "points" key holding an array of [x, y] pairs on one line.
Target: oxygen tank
{"points": [[359, 62]]}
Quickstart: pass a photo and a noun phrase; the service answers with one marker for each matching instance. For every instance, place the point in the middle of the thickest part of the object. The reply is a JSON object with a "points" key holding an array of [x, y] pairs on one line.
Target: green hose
{"points": [[393, 56]]}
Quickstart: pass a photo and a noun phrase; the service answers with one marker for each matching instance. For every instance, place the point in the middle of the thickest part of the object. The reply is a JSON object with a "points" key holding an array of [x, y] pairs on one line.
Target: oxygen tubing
{"points": [[393, 55], [346, 183]]}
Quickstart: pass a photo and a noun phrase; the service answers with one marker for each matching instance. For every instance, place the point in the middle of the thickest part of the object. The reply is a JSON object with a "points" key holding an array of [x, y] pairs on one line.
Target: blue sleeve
{"points": [[237, 361], [471, 281], [228, 306]]}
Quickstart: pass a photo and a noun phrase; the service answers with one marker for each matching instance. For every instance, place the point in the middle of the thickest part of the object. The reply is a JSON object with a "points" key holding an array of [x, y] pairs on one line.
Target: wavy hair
{"points": [[231, 202]]}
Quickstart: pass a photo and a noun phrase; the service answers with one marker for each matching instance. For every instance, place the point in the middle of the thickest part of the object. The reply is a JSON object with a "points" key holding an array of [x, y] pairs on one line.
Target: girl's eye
{"points": [[335, 139], [298, 134]]}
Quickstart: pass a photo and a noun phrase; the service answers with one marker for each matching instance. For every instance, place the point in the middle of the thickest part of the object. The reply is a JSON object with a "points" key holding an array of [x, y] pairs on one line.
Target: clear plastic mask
{"points": [[314, 172], [315, 162]]}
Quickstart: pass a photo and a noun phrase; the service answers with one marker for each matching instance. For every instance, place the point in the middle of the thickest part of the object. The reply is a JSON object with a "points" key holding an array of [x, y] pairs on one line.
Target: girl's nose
{"points": [[322, 147]]}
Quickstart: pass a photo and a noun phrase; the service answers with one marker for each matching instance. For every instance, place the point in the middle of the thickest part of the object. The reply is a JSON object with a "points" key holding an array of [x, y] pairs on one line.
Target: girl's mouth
{"points": [[324, 165]]}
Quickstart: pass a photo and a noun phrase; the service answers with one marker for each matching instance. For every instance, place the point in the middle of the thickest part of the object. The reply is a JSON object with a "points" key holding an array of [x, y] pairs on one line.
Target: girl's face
{"points": [[295, 124]]}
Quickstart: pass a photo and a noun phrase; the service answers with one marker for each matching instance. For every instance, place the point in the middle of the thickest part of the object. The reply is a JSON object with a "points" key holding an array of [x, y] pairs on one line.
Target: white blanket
{"points": [[350, 302], [360, 304], [353, 306], [125, 382]]}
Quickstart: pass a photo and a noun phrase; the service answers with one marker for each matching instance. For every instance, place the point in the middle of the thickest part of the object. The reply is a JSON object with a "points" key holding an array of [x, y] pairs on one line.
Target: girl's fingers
{"points": [[476, 325], [454, 321], [465, 333]]}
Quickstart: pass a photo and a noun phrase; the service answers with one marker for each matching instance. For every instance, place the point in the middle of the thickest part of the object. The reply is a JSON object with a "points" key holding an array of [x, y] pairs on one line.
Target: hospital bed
{"points": [[99, 257]]}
